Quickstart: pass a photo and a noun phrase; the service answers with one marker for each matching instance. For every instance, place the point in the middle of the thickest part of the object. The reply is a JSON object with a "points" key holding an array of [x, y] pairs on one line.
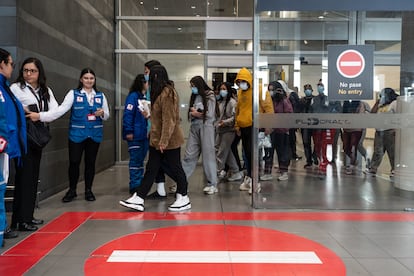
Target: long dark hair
{"points": [[138, 84], [83, 72], [203, 89], [151, 63], [158, 80], [43, 92], [4, 56], [230, 92]]}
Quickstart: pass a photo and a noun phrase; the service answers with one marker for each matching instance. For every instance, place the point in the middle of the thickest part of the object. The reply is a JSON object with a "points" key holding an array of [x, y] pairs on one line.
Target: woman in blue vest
{"points": [[89, 108]]}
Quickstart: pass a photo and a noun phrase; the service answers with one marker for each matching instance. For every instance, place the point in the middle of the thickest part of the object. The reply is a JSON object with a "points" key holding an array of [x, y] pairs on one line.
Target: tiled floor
{"points": [[334, 225]]}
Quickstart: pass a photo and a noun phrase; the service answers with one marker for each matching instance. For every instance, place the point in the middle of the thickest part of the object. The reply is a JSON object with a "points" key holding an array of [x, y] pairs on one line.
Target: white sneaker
{"points": [[210, 190], [266, 177], [349, 170], [235, 176], [283, 176], [180, 204], [246, 185], [134, 202], [222, 174]]}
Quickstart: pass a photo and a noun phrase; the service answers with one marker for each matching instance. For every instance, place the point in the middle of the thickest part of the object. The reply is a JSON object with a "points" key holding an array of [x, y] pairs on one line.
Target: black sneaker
{"points": [[10, 234], [70, 195], [155, 195], [89, 196]]}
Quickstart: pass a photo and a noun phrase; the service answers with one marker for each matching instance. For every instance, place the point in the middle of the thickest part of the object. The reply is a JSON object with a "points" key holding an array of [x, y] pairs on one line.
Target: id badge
{"points": [[91, 117]]}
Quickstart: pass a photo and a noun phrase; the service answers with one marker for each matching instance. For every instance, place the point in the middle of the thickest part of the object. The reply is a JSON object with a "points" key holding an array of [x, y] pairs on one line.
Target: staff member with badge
{"points": [[89, 108]]}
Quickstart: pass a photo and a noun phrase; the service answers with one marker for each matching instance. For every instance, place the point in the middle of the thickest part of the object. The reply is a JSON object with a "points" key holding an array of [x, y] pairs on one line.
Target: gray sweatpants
{"points": [[224, 153], [201, 141]]}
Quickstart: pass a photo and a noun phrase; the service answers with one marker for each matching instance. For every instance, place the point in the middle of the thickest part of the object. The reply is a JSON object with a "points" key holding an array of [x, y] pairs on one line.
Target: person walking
{"points": [[244, 119], [134, 129], [384, 140], [32, 91], [202, 114], [225, 133], [279, 136], [166, 138]]}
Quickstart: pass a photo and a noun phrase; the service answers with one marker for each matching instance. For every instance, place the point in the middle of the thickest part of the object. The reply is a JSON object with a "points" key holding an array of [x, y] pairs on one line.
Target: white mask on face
{"points": [[244, 86]]}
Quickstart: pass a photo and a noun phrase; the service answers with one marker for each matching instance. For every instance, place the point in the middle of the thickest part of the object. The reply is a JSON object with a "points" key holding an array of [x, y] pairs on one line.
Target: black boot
{"points": [[70, 195]]}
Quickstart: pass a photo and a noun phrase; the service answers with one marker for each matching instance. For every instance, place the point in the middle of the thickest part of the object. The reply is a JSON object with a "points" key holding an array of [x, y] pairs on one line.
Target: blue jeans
{"points": [[137, 152], [2, 212]]}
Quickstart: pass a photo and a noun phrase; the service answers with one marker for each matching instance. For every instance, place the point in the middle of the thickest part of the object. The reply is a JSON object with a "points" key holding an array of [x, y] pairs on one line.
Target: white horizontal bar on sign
{"points": [[350, 63], [274, 257]]}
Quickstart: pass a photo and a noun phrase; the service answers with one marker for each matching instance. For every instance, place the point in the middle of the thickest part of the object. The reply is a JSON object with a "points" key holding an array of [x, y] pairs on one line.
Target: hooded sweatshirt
{"points": [[244, 107]]}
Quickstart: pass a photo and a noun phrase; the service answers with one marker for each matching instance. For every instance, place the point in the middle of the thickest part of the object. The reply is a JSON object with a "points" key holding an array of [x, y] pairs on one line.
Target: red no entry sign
{"points": [[350, 63], [213, 250]]}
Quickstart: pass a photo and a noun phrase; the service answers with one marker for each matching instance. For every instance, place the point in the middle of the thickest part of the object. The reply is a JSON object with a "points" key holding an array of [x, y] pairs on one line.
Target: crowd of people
{"points": [[220, 117]]}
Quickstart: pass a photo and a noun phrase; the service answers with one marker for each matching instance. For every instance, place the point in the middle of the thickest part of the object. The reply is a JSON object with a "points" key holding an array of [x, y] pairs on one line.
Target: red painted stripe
{"points": [[21, 257], [292, 216]]}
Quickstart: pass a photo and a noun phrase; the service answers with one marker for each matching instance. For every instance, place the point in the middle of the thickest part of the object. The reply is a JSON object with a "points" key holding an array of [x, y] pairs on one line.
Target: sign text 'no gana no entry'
{"points": [[351, 72]]}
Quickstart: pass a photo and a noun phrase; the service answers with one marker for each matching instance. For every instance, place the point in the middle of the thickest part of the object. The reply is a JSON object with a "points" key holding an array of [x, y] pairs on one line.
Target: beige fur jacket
{"points": [[165, 120]]}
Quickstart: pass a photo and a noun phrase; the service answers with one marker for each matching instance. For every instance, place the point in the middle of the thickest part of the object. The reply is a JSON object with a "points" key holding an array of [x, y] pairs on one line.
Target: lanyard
{"points": [[38, 98]]}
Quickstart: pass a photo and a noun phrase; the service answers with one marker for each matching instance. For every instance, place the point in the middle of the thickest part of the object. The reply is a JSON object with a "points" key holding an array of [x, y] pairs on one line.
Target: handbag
{"points": [[38, 135]]}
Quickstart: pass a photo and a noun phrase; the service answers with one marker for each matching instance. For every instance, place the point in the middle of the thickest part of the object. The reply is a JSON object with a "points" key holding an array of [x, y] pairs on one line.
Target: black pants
{"points": [[170, 162], [25, 186], [246, 137], [307, 144], [76, 150], [235, 150]]}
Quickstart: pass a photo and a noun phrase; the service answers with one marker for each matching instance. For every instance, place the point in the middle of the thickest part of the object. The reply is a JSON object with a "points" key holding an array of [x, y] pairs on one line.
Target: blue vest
{"points": [[81, 126], [16, 122]]}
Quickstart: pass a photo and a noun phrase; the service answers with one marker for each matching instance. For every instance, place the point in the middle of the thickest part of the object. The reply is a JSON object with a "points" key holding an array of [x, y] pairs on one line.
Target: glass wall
{"points": [[297, 47], [215, 39], [206, 38]]}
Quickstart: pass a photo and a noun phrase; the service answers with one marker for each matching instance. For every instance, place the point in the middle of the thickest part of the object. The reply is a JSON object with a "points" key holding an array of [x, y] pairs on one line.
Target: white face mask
{"points": [[244, 86]]}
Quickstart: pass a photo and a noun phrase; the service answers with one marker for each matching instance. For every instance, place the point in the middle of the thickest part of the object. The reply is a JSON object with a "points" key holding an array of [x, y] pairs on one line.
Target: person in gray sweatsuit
{"points": [[202, 114], [225, 133]]}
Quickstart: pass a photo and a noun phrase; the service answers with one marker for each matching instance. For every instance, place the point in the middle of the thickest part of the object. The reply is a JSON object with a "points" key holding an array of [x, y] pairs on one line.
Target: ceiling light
{"points": [[141, 3], [198, 47], [179, 29], [155, 8], [321, 17], [193, 7]]}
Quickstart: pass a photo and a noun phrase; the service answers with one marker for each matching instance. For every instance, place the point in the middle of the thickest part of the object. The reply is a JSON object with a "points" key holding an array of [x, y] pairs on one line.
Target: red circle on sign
{"points": [[350, 64], [197, 249]]}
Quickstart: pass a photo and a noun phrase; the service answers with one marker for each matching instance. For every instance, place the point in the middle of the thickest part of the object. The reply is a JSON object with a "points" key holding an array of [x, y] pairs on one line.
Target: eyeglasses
{"points": [[31, 71]]}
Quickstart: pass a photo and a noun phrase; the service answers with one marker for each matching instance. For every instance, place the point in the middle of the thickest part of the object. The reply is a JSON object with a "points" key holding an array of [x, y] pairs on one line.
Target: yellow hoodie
{"points": [[244, 107]]}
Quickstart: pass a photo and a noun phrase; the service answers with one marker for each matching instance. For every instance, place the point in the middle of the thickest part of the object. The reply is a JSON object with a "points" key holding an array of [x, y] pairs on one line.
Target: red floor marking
{"points": [[225, 238], [29, 251], [291, 216], [21, 257]]}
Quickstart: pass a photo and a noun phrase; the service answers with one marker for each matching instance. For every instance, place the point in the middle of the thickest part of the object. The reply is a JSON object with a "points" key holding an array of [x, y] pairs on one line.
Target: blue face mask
{"points": [[146, 76], [224, 93], [321, 89], [194, 90], [308, 92]]}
